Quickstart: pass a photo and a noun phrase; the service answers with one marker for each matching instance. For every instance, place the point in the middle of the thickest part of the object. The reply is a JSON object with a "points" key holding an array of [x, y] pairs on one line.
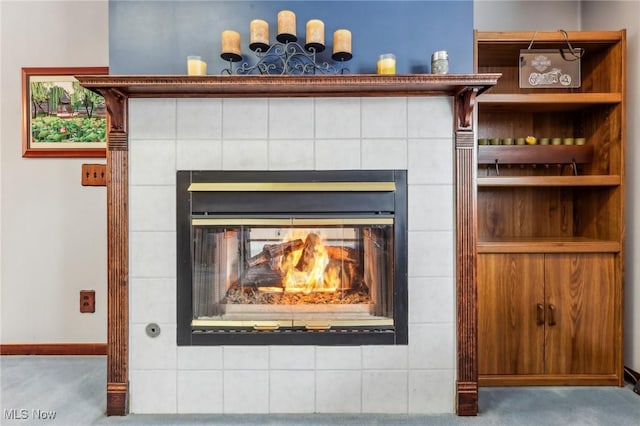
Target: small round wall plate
{"points": [[153, 330]]}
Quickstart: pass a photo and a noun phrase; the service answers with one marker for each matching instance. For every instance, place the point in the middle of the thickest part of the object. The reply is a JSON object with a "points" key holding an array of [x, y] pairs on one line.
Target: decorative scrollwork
{"points": [[284, 59]]}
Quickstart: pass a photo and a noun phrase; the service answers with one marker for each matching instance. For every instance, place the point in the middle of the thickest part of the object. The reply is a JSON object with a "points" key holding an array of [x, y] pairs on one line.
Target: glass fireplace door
{"points": [[291, 257], [292, 273]]}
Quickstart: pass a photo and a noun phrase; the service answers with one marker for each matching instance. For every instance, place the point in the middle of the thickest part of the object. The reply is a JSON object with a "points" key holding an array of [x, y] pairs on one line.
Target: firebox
{"points": [[292, 257]]}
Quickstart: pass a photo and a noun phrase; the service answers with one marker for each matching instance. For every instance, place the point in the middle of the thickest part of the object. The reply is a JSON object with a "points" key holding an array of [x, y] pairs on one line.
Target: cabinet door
{"points": [[510, 324], [581, 309]]}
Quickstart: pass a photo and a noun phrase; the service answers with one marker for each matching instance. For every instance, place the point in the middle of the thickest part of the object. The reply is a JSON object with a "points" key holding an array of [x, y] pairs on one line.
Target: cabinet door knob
{"points": [[540, 313], [552, 314]]}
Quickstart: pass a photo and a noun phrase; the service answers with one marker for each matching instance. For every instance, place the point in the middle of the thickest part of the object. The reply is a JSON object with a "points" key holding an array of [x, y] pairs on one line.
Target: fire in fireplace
{"points": [[292, 257]]}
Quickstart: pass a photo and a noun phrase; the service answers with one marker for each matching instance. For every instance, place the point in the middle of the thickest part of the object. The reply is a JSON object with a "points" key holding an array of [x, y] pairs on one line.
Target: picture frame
{"points": [[60, 118]]}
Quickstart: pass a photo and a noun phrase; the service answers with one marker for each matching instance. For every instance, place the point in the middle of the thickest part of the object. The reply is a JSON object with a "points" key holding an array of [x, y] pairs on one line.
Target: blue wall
{"points": [[155, 37]]}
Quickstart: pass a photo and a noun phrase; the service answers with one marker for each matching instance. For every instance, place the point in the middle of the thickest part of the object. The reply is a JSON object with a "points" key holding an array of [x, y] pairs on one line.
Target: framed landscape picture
{"points": [[60, 118]]}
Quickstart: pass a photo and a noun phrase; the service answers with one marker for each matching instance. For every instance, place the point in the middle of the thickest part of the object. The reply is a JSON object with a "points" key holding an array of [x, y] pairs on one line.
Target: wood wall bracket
{"points": [[116, 103], [466, 101], [118, 89]]}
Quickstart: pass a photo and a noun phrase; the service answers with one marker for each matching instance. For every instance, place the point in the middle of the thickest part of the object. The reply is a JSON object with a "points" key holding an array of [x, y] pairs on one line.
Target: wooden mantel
{"points": [[166, 86], [118, 89]]}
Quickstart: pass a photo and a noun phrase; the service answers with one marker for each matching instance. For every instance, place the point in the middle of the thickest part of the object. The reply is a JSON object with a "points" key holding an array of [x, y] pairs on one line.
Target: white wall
{"points": [[614, 15], [517, 15], [53, 238], [593, 15], [1, 104]]}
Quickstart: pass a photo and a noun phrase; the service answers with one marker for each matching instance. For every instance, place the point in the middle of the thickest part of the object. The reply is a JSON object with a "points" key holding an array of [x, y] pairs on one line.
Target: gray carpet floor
{"points": [[74, 388]]}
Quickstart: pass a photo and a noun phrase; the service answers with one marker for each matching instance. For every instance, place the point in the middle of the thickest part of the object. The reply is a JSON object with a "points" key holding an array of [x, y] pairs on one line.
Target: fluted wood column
{"points": [[117, 255], [466, 236]]}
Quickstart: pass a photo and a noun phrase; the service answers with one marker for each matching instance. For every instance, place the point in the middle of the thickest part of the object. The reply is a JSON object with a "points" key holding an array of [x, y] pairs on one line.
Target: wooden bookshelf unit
{"points": [[551, 218]]}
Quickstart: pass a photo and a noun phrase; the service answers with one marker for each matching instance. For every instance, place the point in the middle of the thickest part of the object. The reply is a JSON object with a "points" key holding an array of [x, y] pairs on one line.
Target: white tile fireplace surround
{"points": [[416, 134]]}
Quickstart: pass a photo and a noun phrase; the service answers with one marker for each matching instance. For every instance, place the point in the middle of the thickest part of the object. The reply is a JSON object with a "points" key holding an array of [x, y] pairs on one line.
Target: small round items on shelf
{"points": [[532, 140]]}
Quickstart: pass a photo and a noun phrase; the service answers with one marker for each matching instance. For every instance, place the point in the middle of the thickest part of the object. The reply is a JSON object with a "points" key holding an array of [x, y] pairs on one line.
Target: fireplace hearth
{"points": [[296, 257]]}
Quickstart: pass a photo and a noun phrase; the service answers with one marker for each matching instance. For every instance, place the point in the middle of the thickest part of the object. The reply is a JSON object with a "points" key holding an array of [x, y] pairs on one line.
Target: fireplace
{"points": [[292, 257], [418, 123]]}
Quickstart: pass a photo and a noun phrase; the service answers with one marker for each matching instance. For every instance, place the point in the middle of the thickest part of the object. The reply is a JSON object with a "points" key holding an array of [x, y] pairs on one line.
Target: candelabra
{"points": [[287, 56]]}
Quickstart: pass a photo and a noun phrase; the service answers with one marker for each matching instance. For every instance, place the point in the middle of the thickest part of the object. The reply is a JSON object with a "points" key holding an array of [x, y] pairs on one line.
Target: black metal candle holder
{"points": [[286, 57]]}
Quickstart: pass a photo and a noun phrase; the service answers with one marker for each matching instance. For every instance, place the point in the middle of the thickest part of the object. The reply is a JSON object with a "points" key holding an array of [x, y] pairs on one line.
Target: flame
{"points": [[307, 269]]}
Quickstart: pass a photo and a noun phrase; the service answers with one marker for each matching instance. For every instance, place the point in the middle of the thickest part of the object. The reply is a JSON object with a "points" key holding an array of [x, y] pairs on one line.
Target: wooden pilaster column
{"points": [[117, 254], [466, 236]]}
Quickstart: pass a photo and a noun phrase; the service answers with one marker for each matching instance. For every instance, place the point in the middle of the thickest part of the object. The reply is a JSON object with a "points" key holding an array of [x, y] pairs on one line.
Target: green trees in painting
{"points": [[66, 113], [83, 98], [39, 97]]}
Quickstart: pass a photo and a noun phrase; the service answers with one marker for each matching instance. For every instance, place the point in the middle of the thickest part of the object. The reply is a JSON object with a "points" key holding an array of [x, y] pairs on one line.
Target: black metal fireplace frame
{"points": [[191, 204]]}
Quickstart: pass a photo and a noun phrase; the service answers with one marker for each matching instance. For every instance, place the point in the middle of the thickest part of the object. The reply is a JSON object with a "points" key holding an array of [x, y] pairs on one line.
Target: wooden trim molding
{"points": [[255, 86], [466, 256], [117, 253], [118, 89], [53, 349]]}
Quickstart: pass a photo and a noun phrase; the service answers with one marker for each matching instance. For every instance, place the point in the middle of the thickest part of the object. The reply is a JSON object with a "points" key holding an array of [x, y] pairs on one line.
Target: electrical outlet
{"points": [[87, 301], [94, 175]]}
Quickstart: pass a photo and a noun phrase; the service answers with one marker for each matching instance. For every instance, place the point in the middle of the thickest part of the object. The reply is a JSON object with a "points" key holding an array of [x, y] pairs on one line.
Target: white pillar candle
{"points": [[196, 66], [231, 42], [315, 31], [286, 22], [342, 41], [259, 31]]}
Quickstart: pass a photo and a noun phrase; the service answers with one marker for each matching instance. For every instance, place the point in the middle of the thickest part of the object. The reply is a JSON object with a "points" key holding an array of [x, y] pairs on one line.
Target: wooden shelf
{"points": [[500, 48], [545, 102], [548, 245], [590, 180], [496, 39], [170, 86], [534, 154]]}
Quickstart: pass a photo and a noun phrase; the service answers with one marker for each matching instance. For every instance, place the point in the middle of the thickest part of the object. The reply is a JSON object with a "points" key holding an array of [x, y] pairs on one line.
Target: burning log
{"points": [[261, 275], [318, 268], [283, 249], [271, 251], [312, 244], [344, 254], [259, 259]]}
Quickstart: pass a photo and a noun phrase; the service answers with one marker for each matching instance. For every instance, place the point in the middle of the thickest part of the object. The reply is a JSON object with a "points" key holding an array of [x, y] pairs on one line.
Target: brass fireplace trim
{"points": [[292, 186], [257, 324], [309, 324], [293, 221]]}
